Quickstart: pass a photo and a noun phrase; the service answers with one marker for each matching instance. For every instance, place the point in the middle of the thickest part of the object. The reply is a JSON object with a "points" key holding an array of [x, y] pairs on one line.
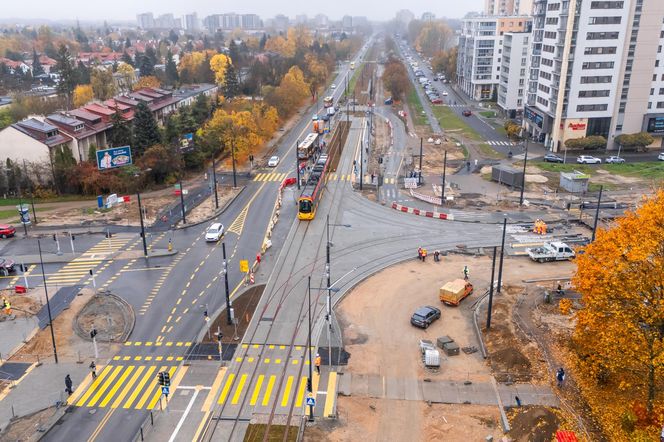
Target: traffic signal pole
{"points": [[229, 319]]}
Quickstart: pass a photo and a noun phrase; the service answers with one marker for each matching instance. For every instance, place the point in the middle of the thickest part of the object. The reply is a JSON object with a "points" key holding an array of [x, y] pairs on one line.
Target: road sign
{"points": [[410, 183], [311, 401], [165, 390], [244, 265]]}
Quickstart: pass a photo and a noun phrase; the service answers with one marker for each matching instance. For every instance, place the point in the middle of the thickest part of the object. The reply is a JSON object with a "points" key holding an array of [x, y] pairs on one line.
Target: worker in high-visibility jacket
{"points": [[317, 363], [6, 306]]}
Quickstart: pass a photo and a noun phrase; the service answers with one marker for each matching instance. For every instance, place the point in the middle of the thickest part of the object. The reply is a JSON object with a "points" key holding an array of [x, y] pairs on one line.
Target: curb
{"points": [[425, 213], [214, 215]]}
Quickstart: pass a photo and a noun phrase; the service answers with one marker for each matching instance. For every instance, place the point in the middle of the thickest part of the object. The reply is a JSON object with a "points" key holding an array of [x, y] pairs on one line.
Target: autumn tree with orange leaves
{"points": [[619, 335]]}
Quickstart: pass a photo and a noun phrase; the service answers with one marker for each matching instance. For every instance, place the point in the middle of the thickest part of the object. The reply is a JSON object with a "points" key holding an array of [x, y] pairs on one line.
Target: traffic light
{"points": [[167, 379], [220, 335], [93, 333], [54, 237], [162, 378]]}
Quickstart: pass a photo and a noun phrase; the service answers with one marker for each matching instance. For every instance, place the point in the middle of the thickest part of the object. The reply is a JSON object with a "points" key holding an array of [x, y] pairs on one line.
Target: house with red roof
{"points": [[32, 139]]}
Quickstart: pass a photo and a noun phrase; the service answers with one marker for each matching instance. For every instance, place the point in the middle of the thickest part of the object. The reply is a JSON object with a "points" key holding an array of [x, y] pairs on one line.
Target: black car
{"points": [[424, 316], [552, 158], [6, 266]]}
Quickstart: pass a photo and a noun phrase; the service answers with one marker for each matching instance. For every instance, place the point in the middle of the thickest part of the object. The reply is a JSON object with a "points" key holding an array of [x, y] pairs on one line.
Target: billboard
{"points": [[113, 157], [187, 142]]}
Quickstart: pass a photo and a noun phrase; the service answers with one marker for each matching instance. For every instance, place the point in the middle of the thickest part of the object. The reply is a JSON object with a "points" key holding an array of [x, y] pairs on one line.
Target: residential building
{"points": [[514, 72], [508, 7], [597, 68], [405, 16], [186, 95], [480, 49], [14, 67], [251, 22], [31, 140], [347, 22], [428, 16], [167, 21], [191, 22], [230, 21], [360, 21], [321, 21], [301, 19], [212, 23], [280, 22], [84, 128], [145, 20]]}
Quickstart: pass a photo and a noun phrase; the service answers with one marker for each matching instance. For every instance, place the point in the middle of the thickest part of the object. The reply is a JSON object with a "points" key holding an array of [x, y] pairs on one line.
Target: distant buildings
{"points": [[428, 16], [513, 72], [232, 21], [508, 7], [191, 22], [405, 16], [145, 20]]}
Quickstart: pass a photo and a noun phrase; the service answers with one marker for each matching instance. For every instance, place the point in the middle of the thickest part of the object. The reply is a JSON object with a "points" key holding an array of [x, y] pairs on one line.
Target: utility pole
{"points": [[34, 212], [140, 211], [309, 380], [328, 315], [502, 253], [297, 164], [48, 303], [442, 192], [419, 176], [214, 182], [361, 160], [229, 319], [599, 202], [184, 219], [493, 268], [233, 159], [523, 180]]}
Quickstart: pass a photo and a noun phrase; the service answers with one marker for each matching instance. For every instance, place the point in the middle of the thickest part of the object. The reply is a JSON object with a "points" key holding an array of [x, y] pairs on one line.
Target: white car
{"points": [[273, 161], [214, 232], [588, 159], [660, 157], [334, 86], [615, 160], [444, 94], [437, 142]]}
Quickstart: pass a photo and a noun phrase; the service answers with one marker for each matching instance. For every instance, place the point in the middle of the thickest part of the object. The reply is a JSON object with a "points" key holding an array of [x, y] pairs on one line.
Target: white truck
{"points": [[551, 251]]}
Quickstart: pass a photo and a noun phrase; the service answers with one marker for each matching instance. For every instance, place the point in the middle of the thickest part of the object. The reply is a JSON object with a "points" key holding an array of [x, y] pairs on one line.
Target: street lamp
{"points": [[309, 379], [48, 304], [523, 180]]}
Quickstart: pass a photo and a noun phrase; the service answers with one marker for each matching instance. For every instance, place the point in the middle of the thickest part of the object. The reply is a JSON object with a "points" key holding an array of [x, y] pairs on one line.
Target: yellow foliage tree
{"points": [[191, 61], [619, 336], [283, 47], [127, 76], [83, 94], [235, 130], [218, 64], [317, 73], [147, 81], [433, 37], [300, 37]]}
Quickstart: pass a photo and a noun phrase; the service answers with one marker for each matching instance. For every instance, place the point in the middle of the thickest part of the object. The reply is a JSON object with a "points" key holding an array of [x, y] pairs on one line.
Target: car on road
{"points": [[389, 101], [6, 230], [660, 157], [273, 161], [436, 100], [444, 93], [553, 158], [334, 86], [6, 266], [424, 316], [615, 160], [466, 113], [214, 232], [588, 159]]}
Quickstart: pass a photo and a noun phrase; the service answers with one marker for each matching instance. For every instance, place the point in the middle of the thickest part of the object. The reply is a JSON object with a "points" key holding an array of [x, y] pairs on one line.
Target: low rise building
{"points": [[32, 140]]}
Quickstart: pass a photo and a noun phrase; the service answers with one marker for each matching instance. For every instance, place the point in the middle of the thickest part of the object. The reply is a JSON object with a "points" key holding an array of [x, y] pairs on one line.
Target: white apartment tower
{"points": [[514, 64], [597, 68], [480, 53], [508, 7]]}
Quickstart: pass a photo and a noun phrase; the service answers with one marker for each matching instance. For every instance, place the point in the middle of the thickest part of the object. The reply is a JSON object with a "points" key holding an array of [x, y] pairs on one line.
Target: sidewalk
{"points": [[67, 257], [14, 333]]}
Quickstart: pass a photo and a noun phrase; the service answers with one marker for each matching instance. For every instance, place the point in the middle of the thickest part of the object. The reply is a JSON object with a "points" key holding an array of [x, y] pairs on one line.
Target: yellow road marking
{"points": [[268, 390], [139, 387], [331, 394], [107, 383], [227, 387], [238, 390], [289, 385], [116, 403], [117, 385], [209, 400], [300, 392], [257, 390], [151, 385], [94, 385], [174, 386]]}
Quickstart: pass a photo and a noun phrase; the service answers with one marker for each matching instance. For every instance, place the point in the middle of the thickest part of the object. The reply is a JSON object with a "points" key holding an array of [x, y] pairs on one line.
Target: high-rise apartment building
{"points": [[508, 7], [428, 16], [145, 20], [321, 20], [251, 21], [597, 68], [515, 59], [405, 16], [480, 52], [191, 22]]}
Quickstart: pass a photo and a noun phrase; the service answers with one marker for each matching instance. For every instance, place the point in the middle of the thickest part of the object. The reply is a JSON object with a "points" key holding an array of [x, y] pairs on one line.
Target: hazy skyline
{"points": [[126, 10]]}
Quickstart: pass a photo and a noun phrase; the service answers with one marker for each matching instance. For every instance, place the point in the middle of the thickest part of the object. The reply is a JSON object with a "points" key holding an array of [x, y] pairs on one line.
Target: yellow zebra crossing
{"points": [[278, 177], [270, 176], [125, 386]]}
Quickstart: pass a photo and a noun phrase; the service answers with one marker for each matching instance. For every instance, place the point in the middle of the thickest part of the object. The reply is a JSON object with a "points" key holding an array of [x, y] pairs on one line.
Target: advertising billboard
{"points": [[114, 157], [187, 142]]}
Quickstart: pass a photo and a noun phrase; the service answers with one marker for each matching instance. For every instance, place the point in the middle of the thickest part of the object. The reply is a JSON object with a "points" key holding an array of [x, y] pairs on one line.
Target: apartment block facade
{"points": [[480, 52], [508, 7], [514, 71], [596, 68]]}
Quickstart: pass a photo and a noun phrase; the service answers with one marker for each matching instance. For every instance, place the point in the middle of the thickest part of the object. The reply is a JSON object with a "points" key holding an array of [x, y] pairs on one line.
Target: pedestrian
{"points": [[436, 256], [468, 165], [518, 401], [475, 162], [419, 253], [68, 385], [258, 258], [93, 369], [560, 377], [424, 255], [466, 273], [317, 363]]}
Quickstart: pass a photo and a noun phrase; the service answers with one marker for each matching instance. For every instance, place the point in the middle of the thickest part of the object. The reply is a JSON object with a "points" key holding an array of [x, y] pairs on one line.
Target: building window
{"points": [[594, 93], [602, 35], [553, 6], [550, 34], [652, 91], [660, 105], [650, 105], [607, 5], [545, 75], [544, 88], [552, 20], [600, 50], [597, 65], [598, 79], [604, 20], [548, 48], [619, 127], [591, 107], [656, 63], [661, 91]]}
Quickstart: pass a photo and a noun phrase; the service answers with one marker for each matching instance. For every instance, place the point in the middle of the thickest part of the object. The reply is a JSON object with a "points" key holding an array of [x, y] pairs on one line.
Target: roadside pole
{"points": [[48, 303], [297, 165], [599, 202], [71, 241], [419, 175], [442, 191], [25, 278], [310, 380], [233, 160], [361, 159], [502, 253], [184, 218], [523, 181], [493, 269], [229, 319], [140, 210], [214, 183]]}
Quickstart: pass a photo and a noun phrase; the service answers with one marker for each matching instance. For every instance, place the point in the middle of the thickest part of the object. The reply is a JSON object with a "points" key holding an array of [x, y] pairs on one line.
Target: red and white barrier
{"points": [[425, 213]]}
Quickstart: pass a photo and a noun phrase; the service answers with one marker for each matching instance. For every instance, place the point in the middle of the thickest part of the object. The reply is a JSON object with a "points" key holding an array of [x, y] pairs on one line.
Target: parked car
{"points": [[436, 101], [424, 316], [214, 232], [553, 158], [588, 159], [273, 161], [6, 266], [466, 113], [389, 101], [6, 230], [444, 93], [615, 160], [660, 157]]}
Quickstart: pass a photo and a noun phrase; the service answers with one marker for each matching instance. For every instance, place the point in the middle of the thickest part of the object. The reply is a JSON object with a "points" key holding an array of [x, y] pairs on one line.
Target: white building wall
{"points": [[18, 146]]}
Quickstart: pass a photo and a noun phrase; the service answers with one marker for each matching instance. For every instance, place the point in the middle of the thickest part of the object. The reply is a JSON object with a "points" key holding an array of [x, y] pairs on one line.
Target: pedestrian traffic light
{"points": [[93, 333], [162, 378], [220, 335], [167, 379], [73, 237], [54, 237]]}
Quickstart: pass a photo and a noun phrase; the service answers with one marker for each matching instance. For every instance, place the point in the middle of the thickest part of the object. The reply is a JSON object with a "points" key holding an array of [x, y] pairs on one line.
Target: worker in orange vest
{"points": [[6, 306], [317, 363]]}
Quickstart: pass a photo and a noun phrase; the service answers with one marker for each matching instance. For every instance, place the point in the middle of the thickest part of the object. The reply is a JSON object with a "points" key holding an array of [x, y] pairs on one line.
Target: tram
{"points": [[313, 189]]}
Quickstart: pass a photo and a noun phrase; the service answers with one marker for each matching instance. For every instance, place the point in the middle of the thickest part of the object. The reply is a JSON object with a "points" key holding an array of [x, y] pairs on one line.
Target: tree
{"points": [[170, 132], [102, 83], [636, 141], [186, 123], [513, 130], [201, 109], [261, 44], [37, 68], [171, 69], [121, 134], [63, 165], [173, 36], [619, 335], [446, 62], [316, 74], [231, 85], [83, 94], [434, 37], [233, 51], [290, 93], [65, 69], [149, 81], [218, 64], [590, 142], [127, 43], [127, 76], [395, 78], [82, 74], [126, 58], [146, 131], [162, 162], [145, 65]]}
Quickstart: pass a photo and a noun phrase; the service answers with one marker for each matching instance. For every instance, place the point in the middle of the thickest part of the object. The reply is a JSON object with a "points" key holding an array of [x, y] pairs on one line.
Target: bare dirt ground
{"points": [[392, 420], [23, 428], [69, 344]]}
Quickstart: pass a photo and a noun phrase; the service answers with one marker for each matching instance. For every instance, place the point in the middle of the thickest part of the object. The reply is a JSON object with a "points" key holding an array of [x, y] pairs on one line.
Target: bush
{"points": [[591, 142], [638, 141], [513, 130]]}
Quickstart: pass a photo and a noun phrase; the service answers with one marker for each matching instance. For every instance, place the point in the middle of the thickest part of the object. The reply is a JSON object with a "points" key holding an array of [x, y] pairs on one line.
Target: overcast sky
{"points": [[127, 9]]}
